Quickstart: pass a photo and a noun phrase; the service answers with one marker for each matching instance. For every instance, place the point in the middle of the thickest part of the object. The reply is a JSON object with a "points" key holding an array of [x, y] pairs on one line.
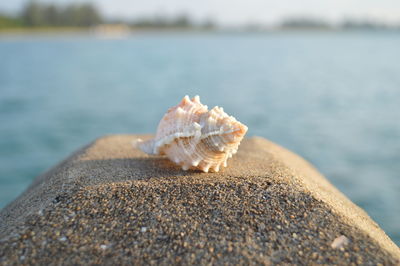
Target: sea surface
{"points": [[332, 97]]}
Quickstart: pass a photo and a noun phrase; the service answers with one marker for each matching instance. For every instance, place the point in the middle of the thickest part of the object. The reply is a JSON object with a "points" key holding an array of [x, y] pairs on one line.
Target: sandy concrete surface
{"points": [[112, 204]]}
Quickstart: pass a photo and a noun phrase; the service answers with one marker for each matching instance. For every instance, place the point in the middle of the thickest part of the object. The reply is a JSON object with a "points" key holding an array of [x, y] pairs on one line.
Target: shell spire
{"points": [[195, 138]]}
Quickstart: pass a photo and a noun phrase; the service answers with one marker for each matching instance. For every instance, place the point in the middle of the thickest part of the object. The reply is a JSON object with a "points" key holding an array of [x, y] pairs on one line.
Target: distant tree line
{"points": [[320, 24], [36, 14], [366, 25], [39, 14], [9, 22], [160, 21], [304, 23]]}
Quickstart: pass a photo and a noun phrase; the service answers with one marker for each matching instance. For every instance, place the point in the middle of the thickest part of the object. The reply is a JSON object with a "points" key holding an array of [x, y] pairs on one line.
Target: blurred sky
{"points": [[235, 12]]}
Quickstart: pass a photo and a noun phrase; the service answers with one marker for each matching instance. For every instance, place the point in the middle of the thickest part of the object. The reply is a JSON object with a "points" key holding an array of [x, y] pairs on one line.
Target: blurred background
{"points": [[321, 78]]}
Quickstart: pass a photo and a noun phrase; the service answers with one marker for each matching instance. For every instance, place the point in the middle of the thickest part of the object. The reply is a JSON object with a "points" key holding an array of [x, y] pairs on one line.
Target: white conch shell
{"points": [[193, 137]]}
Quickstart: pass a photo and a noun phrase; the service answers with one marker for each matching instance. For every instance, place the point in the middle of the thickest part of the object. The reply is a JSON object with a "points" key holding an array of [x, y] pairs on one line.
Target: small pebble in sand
{"points": [[340, 242], [143, 229], [103, 246]]}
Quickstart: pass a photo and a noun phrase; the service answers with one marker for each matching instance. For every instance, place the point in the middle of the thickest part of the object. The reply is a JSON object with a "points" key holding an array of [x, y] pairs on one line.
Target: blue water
{"points": [[333, 98]]}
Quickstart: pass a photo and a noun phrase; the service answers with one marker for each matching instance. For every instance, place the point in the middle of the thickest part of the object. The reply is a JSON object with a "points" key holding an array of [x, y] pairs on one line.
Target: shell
{"points": [[195, 138]]}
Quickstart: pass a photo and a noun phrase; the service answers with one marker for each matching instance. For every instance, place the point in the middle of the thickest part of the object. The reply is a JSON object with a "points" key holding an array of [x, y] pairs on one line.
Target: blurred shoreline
{"points": [[116, 30], [85, 18]]}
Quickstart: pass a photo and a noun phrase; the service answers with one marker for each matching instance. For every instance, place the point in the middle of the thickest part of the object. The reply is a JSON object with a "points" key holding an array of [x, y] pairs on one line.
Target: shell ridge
{"points": [[218, 133], [194, 131], [171, 138]]}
